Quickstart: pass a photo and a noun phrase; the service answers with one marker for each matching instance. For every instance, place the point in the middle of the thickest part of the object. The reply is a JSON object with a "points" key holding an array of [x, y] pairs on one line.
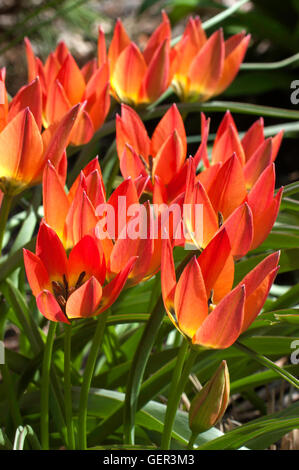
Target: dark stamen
{"points": [[80, 279]]}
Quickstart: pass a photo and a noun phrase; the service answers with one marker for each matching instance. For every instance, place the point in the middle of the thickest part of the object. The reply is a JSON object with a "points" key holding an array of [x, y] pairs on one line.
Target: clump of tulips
{"points": [[99, 238]]}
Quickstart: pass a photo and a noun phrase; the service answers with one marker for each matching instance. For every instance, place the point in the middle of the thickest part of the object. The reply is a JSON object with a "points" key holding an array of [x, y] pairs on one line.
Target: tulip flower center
{"points": [[62, 290]]}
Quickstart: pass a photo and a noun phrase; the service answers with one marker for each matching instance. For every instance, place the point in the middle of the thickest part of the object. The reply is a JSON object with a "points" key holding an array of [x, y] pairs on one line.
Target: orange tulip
{"points": [[239, 225], [24, 150], [64, 85], [254, 152], [85, 211], [76, 215], [73, 287], [162, 158], [204, 67], [140, 78], [202, 304]]}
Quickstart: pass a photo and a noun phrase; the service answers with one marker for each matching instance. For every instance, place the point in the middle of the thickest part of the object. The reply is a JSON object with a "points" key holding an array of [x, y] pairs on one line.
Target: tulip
{"points": [[228, 191], [238, 226], [71, 287], [162, 158], [204, 67], [24, 150], [85, 211], [202, 304], [209, 405], [254, 152], [64, 85], [139, 78], [78, 212]]}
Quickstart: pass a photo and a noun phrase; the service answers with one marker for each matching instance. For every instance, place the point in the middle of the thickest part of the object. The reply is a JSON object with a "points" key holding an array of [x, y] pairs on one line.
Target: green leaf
{"points": [[270, 427], [289, 299]]}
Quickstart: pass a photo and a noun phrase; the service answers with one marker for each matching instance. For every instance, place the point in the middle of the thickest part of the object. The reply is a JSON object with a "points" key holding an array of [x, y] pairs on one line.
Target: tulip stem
{"points": [[192, 440], [4, 213], [140, 359], [87, 378], [268, 363], [45, 384], [179, 379], [68, 385]]}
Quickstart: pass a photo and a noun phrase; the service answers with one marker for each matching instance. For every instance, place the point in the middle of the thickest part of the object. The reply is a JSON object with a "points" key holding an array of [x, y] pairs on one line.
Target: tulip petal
{"points": [[130, 164], [81, 218], [258, 283], [265, 209], [156, 79], [168, 277], [36, 272], [171, 121], [83, 129], [170, 159], [51, 252], [29, 95], [72, 80], [119, 42], [112, 290], [226, 145], [57, 104], [206, 68], [84, 301], [56, 137], [257, 163], [21, 148], [235, 50], [228, 190], [190, 301], [55, 200], [239, 228], [161, 33], [127, 76], [222, 326], [130, 130], [253, 138], [85, 257], [214, 261], [49, 307]]}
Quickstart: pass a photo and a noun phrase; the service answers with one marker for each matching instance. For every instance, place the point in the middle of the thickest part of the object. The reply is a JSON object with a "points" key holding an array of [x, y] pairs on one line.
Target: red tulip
{"points": [[64, 85], [24, 149], [162, 158], [202, 304], [254, 152], [71, 287]]}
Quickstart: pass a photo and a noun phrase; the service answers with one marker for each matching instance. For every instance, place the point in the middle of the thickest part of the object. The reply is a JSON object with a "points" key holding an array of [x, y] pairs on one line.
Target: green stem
{"points": [[45, 384], [178, 382], [87, 377], [68, 386], [139, 362], [192, 441], [137, 370], [4, 213], [264, 361]]}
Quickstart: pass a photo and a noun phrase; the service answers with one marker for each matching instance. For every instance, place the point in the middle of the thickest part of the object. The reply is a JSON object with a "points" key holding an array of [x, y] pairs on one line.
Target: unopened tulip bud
{"points": [[210, 403]]}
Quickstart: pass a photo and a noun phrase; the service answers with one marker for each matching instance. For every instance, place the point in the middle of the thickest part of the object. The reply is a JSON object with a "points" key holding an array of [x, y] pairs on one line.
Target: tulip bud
{"points": [[209, 405]]}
